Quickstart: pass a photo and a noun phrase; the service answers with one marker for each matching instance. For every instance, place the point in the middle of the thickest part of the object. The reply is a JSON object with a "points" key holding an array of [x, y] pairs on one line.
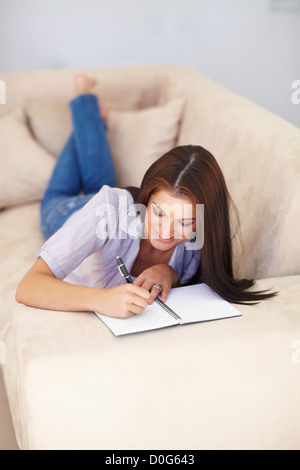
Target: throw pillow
{"points": [[138, 138], [50, 122], [25, 166]]}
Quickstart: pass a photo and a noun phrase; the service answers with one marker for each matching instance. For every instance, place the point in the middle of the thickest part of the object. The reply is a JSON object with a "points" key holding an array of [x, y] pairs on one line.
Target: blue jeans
{"points": [[84, 166]]}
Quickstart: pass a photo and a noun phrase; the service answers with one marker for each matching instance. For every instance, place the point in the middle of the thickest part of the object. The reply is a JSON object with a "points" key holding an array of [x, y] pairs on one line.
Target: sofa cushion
{"points": [[136, 137], [50, 122], [25, 166]]}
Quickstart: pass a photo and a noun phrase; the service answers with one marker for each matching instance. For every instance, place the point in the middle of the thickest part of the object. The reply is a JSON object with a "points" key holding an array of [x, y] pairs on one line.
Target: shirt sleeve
{"points": [[84, 233]]}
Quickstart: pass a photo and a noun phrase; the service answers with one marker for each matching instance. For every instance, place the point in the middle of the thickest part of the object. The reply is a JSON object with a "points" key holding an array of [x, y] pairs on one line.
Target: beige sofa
{"points": [[231, 384]]}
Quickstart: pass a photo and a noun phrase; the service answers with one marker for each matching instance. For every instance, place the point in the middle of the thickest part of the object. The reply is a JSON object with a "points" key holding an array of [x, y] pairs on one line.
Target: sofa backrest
{"points": [[120, 88]]}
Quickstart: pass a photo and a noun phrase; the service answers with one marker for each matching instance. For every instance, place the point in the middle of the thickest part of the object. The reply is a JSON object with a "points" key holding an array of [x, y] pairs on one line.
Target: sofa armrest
{"points": [[259, 154]]}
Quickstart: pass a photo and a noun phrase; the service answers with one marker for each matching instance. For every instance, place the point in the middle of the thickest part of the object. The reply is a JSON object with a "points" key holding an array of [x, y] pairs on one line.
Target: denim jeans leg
{"points": [[93, 151], [65, 181], [85, 164]]}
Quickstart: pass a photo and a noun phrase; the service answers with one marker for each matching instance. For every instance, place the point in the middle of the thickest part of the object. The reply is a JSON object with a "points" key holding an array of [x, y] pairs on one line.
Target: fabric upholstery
{"points": [[25, 166], [73, 385]]}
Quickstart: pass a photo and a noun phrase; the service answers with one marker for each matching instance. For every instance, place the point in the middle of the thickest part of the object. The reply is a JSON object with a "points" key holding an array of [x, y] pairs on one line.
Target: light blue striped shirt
{"points": [[84, 250]]}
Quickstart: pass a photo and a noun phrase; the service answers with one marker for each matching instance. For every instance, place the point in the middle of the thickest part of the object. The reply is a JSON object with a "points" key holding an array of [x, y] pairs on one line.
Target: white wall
{"points": [[242, 44]]}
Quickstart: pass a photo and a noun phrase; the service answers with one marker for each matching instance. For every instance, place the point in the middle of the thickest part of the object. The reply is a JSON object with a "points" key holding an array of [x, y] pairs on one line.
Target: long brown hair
{"points": [[191, 171]]}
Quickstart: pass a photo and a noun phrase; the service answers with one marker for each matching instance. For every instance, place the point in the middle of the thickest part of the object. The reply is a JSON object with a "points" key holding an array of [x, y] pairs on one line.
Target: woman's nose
{"points": [[166, 229]]}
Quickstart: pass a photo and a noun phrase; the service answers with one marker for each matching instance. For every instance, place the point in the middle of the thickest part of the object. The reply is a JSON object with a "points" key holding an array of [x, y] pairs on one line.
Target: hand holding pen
{"points": [[123, 270]]}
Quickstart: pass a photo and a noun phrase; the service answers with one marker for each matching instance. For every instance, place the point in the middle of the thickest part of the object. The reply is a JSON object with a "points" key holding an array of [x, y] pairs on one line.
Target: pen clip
{"points": [[120, 270]]}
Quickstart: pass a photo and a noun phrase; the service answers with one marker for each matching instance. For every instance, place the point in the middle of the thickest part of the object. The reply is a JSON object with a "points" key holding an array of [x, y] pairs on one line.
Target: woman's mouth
{"points": [[164, 239]]}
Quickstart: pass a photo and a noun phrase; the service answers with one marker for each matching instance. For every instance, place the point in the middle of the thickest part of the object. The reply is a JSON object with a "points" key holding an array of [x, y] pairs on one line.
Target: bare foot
{"points": [[84, 84]]}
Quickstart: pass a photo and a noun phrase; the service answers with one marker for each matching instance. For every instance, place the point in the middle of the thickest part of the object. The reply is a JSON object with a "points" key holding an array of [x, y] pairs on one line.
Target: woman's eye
{"points": [[159, 214], [186, 224]]}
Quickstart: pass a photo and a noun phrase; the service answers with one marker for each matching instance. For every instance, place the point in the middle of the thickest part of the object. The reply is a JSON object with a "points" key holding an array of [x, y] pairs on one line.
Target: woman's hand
{"points": [[159, 274], [122, 301]]}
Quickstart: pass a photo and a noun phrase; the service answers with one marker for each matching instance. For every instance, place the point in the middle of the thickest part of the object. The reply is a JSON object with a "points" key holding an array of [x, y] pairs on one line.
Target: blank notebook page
{"points": [[198, 303]]}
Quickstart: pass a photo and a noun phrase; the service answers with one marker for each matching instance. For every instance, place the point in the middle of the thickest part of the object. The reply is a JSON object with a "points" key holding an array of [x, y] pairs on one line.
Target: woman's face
{"points": [[169, 220]]}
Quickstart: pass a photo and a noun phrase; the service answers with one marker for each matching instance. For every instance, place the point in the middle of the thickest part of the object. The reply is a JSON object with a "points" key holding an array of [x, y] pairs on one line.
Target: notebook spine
{"points": [[167, 309]]}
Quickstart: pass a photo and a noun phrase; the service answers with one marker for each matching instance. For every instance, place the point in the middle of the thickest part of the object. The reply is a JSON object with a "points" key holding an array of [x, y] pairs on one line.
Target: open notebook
{"points": [[187, 304]]}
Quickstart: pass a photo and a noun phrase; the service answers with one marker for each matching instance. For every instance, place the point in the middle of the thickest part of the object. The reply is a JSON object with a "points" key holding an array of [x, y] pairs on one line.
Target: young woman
{"points": [[87, 222]]}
